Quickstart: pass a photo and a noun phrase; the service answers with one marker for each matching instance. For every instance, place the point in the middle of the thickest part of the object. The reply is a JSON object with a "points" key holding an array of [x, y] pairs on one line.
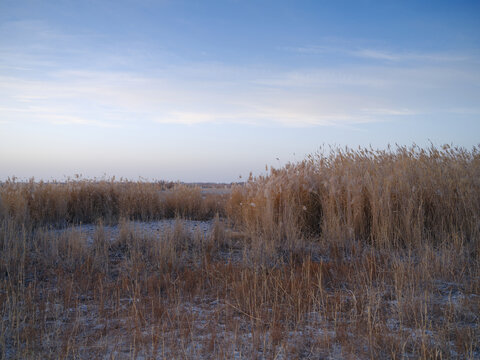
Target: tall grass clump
{"points": [[89, 200], [399, 197]]}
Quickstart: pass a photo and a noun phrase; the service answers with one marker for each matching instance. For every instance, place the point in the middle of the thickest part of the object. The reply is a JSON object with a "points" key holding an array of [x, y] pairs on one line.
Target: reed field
{"points": [[348, 254]]}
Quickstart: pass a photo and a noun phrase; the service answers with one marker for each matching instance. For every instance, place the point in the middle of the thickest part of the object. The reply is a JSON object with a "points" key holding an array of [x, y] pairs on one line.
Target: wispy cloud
{"points": [[54, 116], [410, 56], [305, 97], [393, 112], [382, 54], [49, 86], [377, 54]]}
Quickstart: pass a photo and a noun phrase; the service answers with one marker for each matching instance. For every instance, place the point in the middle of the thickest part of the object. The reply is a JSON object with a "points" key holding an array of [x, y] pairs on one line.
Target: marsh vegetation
{"points": [[348, 254]]}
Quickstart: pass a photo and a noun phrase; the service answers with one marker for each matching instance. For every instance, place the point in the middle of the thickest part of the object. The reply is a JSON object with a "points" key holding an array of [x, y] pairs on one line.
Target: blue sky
{"points": [[210, 90]]}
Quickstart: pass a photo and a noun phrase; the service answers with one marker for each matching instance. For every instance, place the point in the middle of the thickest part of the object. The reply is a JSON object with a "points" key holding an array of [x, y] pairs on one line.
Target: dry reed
{"points": [[356, 254], [87, 201]]}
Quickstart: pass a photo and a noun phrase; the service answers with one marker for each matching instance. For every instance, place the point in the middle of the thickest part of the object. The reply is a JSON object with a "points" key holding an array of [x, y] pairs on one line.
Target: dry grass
{"points": [[396, 198], [357, 254], [86, 201]]}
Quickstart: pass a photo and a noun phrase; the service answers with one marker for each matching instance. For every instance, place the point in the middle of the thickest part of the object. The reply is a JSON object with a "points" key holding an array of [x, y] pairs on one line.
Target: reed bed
{"points": [[392, 198], [354, 254], [87, 201]]}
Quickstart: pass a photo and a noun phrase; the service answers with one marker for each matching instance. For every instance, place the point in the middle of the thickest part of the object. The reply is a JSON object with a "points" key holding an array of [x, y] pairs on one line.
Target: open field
{"points": [[349, 254]]}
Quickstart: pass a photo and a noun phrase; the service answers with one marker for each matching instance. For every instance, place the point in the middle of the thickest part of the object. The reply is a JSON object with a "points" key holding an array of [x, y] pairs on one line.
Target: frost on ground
{"points": [[181, 289], [151, 228]]}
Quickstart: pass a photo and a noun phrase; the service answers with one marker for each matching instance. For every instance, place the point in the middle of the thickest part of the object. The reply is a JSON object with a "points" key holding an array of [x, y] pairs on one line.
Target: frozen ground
{"points": [[151, 228], [212, 325]]}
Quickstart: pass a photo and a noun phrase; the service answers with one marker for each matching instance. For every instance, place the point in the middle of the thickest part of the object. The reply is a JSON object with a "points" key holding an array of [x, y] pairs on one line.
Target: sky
{"points": [[209, 91]]}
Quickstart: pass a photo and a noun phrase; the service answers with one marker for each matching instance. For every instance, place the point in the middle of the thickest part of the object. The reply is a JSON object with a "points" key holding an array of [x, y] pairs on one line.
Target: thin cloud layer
{"points": [[302, 97], [41, 81], [175, 85]]}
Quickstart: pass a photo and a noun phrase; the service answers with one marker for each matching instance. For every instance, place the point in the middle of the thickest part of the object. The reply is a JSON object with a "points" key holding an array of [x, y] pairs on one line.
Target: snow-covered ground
{"points": [[210, 325], [151, 228]]}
